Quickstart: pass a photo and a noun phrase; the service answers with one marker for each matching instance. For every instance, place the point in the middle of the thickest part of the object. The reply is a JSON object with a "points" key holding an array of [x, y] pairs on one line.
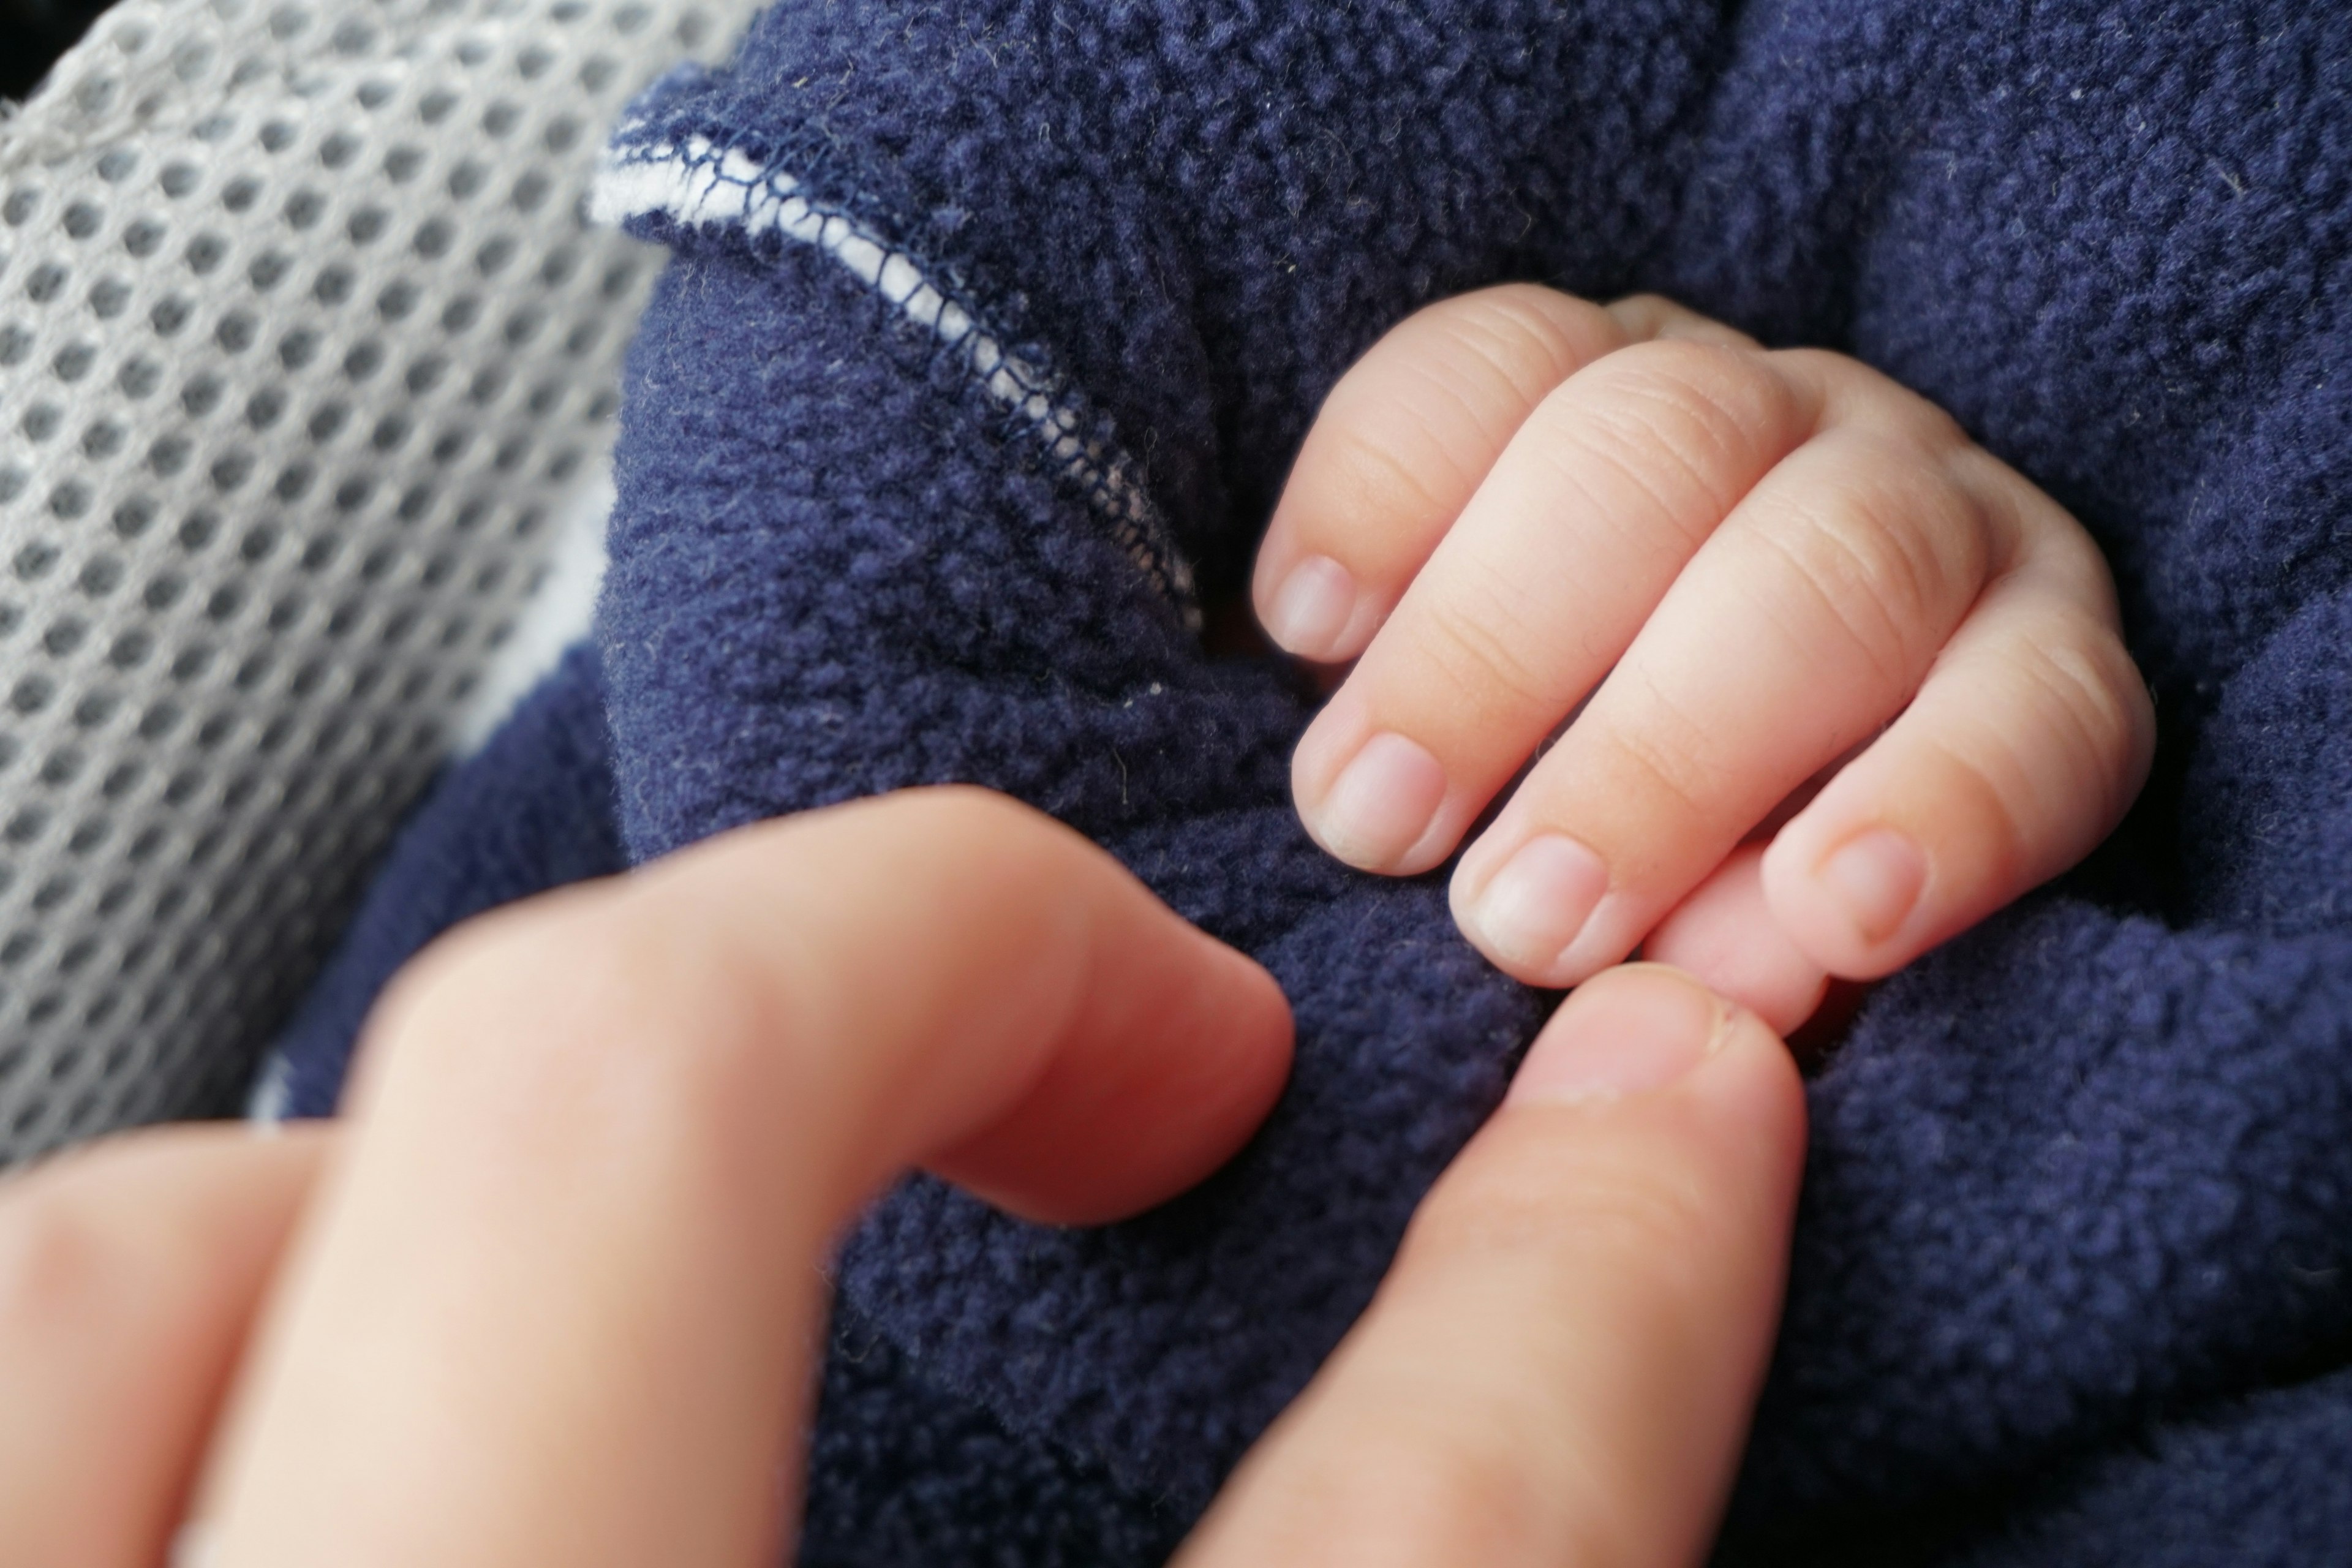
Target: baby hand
{"points": [[1735, 569]]}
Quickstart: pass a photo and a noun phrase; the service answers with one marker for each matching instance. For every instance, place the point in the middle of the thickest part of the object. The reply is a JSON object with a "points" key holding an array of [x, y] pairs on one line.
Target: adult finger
{"points": [[1405, 438], [1561, 1365], [128, 1274], [557, 1304], [2023, 748]]}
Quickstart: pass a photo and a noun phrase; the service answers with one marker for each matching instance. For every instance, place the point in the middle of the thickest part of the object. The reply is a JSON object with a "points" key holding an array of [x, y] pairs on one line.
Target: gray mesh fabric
{"points": [[303, 347]]}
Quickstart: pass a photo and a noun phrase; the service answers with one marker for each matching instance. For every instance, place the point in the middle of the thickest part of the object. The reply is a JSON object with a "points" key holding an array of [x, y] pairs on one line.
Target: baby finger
{"points": [[2022, 749], [1802, 624], [1584, 522], [1399, 447], [1724, 934], [1408, 436]]}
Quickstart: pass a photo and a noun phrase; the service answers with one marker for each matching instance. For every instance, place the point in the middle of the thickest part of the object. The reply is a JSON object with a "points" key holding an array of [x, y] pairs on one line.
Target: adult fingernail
{"points": [[1878, 876], [1630, 1031], [1312, 608], [1382, 803], [1535, 906]]}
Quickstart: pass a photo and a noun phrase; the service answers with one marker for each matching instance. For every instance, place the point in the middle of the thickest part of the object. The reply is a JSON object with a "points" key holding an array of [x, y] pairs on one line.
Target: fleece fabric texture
{"points": [[980, 311]]}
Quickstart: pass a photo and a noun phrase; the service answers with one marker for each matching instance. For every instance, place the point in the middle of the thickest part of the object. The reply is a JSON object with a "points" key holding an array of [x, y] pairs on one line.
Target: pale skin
{"points": [[1750, 576], [547, 1293]]}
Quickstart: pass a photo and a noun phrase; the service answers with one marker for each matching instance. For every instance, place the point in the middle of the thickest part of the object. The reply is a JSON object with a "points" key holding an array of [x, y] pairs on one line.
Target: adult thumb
{"points": [[1563, 1363]]}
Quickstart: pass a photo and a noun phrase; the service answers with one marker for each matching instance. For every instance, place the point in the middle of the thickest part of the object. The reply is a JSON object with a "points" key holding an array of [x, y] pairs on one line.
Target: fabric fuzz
{"points": [[2071, 1277]]}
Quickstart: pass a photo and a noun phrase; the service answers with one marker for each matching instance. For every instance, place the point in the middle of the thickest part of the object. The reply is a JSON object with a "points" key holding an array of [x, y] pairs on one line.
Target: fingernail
{"points": [[1632, 1030], [1535, 906], [1382, 803], [1878, 876], [1312, 608]]}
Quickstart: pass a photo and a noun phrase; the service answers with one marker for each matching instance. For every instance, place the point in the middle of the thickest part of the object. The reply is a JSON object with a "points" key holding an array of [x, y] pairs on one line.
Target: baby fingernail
{"points": [[1878, 876], [1634, 1029], [1535, 906], [1382, 803], [1312, 608]]}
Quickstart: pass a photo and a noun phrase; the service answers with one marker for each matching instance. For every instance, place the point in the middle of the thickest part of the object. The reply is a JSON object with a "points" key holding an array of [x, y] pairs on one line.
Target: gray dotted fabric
{"points": [[303, 345]]}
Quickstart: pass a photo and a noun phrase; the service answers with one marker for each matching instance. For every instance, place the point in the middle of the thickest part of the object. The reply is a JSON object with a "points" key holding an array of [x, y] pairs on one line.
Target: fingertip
{"points": [[2023, 747], [1725, 935], [1526, 912], [1673, 1039], [1646, 1028], [1875, 880], [1577, 1320], [1630, 1030], [1191, 1060], [1230, 1039], [1263, 1029], [1314, 610], [1646, 316], [1859, 904], [1379, 801]]}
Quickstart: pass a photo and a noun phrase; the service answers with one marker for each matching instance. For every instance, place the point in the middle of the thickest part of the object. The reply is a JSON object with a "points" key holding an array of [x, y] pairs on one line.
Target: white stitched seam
{"points": [[695, 183]]}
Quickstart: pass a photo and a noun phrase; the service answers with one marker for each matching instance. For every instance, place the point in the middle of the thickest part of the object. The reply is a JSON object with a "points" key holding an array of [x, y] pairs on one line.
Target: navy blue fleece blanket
{"points": [[991, 328]]}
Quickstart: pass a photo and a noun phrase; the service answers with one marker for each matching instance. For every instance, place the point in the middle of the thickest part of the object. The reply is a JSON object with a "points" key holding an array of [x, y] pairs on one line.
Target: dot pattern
{"points": [[303, 342]]}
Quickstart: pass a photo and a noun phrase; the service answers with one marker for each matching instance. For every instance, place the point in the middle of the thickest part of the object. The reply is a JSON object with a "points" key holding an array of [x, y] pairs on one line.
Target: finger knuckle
{"points": [[962, 813], [1671, 753], [588, 1026], [1927, 426], [1648, 300], [1861, 395], [2098, 708], [1718, 409], [1825, 367], [1890, 558], [1532, 337], [1378, 470], [1486, 655], [1720, 379], [2072, 561], [1644, 316], [1632, 483], [1406, 437], [53, 1258]]}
